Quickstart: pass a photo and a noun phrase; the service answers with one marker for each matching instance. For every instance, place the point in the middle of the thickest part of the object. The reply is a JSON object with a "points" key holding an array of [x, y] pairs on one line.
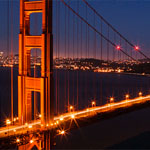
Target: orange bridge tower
{"points": [[28, 42]]}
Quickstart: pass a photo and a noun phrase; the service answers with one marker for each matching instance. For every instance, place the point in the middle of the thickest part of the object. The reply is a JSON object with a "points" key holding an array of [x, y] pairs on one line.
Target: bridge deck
{"points": [[17, 130]]}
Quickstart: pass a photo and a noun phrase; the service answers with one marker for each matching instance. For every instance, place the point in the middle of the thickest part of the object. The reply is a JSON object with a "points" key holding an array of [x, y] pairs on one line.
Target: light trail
{"points": [[77, 114]]}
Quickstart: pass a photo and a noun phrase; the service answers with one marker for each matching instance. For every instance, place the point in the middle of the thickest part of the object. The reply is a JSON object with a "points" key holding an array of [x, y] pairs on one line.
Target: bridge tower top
{"points": [[27, 42]]}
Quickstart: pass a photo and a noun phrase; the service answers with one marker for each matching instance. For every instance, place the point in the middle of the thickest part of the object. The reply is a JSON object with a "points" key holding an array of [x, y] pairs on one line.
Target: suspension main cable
{"points": [[95, 29], [101, 17]]}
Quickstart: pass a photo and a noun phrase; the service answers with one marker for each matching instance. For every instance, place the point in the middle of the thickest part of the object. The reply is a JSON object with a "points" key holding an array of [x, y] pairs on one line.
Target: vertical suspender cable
{"points": [[101, 57], [77, 52], [81, 46], [113, 47], [8, 39], [12, 116], [101, 26], [65, 56], [85, 79], [68, 57], [94, 80], [73, 54], [56, 54], [108, 45], [81, 49], [88, 43], [58, 42], [119, 51]]}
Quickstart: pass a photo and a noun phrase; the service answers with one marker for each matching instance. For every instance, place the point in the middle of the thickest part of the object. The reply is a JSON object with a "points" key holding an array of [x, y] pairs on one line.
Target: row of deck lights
{"points": [[126, 96], [93, 103], [71, 109], [62, 132], [111, 100]]}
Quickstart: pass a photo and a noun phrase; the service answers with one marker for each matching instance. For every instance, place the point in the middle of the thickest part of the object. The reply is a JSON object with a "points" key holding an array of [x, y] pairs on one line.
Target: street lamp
{"points": [[111, 100], [127, 96], [71, 108], [93, 103], [140, 93]]}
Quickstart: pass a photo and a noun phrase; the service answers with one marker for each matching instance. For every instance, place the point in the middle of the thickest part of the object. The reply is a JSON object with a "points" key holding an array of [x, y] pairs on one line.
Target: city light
{"points": [[119, 71], [40, 115]]}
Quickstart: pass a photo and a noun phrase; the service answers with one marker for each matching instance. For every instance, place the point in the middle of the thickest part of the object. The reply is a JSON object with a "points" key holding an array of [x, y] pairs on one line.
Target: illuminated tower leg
{"points": [[26, 83]]}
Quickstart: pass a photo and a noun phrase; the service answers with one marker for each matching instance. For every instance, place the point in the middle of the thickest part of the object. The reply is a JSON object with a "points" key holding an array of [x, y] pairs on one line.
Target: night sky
{"points": [[130, 17]]}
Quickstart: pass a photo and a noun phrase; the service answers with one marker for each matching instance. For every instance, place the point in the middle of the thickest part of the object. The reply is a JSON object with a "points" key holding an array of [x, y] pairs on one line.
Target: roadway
{"points": [[16, 130]]}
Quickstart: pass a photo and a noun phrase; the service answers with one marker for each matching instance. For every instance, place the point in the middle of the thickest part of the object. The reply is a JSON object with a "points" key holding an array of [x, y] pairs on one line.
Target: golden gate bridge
{"points": [[72, 31]]}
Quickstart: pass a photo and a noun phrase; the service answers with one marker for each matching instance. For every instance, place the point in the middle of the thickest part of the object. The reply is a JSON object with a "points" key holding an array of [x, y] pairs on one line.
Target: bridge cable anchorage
{"points": [[113, 44], [101, 17]]}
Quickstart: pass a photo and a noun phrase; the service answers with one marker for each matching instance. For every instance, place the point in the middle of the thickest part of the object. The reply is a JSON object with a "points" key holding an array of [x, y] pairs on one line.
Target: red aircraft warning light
{"points": [[136, 48], [118, 47]]}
